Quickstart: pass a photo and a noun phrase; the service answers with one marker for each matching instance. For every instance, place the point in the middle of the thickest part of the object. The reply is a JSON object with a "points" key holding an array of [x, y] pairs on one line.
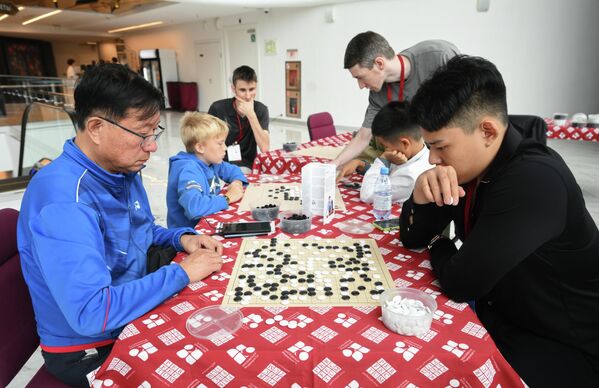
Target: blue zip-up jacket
{"points": [[193, 188], [83, 234]]}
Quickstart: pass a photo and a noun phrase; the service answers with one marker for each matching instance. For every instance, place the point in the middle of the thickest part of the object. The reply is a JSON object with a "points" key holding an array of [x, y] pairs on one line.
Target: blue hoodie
{"points": [[83, 234], [193, 188]]}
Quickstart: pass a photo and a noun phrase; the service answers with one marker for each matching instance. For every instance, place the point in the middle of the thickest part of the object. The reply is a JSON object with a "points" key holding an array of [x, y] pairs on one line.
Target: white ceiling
{"points": [[73, 25]]}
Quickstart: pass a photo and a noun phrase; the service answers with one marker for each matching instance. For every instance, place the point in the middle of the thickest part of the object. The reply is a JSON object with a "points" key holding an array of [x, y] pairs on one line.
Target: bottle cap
{"points": [[384, 170]]}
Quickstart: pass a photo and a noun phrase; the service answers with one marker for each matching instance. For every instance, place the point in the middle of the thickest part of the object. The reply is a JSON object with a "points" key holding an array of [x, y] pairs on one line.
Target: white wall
{"points": [[107, 51], [547, 50], [81, 53]]}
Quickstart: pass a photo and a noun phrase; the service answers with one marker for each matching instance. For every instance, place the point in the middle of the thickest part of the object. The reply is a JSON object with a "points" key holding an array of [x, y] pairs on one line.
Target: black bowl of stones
{"points": [[265, 210], [295, 222], [289, 147], [408, 311]]}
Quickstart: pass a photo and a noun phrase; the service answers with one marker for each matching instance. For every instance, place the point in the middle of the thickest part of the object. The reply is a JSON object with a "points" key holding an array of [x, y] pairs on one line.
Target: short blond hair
{"points": [[198, 127]]}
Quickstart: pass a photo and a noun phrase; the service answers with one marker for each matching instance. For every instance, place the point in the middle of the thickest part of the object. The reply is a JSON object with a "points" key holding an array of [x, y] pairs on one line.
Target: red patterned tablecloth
{"points": [[568, 132], [280, 162], [335, 346]]}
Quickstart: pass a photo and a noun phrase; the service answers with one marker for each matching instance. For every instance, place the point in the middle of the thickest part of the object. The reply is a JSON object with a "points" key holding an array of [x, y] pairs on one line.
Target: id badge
{"points": [[234, 153]]}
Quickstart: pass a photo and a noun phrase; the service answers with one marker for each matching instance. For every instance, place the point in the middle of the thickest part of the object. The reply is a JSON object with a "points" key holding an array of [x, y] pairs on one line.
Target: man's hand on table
{"points": [[439, 185], [235, 191], [194, 242], [349, 168], [201, 263]]}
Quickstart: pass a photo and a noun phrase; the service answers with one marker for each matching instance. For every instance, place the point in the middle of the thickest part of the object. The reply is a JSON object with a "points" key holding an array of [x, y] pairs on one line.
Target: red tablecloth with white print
{"points": [[281, 162], [330, 346], [569, 132]]}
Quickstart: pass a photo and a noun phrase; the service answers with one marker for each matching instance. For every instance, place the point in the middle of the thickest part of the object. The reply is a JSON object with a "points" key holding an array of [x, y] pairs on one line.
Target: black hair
{"points": [[460, 92], [244, 73], [393, 121], [364, 48], [70, 61], [110, 90]]}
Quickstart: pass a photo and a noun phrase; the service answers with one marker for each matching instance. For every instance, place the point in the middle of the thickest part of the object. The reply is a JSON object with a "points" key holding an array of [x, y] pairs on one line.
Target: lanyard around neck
{"points": [[401, 82], [470, 192], [240, 136]]}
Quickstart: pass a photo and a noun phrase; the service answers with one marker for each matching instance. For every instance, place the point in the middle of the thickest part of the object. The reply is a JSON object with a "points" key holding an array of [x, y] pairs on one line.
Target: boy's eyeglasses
{"points": [[147, 140]]}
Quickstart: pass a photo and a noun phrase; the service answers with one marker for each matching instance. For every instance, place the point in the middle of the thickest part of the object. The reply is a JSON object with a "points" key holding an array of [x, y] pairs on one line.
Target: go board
{"points": [[289, 195], [302, 272], [326, 152]]}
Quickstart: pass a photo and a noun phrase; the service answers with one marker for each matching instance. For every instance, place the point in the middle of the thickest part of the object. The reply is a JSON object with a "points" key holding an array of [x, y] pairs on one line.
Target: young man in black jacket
{"points": [[530, 253]]}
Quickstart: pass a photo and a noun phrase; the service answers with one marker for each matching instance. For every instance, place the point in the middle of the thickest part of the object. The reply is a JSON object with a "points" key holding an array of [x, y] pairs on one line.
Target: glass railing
{"points": [[44, 130], [49, 90], [34, 123], [39, 138]]}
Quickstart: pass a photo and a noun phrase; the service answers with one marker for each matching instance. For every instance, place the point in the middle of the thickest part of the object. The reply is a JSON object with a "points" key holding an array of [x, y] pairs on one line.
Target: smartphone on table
{"points": [[243, 229], [387, 225]]}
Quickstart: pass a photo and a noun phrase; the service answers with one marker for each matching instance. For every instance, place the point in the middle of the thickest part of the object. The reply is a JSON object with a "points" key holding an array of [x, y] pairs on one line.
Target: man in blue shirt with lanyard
{"points": [[247, 120], [390, 77]]}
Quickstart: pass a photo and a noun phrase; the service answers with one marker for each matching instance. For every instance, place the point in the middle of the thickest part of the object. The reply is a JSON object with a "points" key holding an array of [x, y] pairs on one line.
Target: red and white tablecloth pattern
{"points": [[337, 346], [568, 132], [280, 162]]}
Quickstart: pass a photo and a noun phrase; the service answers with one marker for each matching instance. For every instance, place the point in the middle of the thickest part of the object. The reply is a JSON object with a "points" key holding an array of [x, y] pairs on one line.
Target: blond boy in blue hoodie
{"points": [[194, 179]]}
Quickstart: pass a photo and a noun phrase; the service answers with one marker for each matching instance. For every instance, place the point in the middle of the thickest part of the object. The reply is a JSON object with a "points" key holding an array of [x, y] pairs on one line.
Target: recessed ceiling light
{"points": [[136, 27], [35, 19]]}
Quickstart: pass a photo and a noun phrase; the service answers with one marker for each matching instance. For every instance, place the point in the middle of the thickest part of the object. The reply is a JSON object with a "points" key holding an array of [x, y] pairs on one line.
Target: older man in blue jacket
{"points": [[86, 226]]}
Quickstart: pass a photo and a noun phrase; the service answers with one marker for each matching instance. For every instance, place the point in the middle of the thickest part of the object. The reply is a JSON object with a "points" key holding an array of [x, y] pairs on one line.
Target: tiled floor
{"points": [[581, 157]]}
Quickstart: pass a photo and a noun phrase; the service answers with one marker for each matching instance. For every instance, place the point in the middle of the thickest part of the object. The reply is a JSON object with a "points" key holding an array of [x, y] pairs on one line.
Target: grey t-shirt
{"points": [[425, 57]]}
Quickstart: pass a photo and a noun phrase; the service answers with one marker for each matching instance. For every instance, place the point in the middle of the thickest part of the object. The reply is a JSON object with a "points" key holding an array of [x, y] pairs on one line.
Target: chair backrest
{"points": [[321, 125], [532, 127], [17, 329]]}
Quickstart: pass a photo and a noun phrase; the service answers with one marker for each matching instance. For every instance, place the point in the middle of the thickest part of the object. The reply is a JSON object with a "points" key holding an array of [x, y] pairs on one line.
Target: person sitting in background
{"points": [[405, 154], [194, 178], [530, 249], [247, 120], [86, 227]]}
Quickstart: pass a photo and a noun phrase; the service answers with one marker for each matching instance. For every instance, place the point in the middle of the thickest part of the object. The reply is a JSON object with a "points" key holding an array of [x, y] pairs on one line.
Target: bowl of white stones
{"points": [[408, 311]]}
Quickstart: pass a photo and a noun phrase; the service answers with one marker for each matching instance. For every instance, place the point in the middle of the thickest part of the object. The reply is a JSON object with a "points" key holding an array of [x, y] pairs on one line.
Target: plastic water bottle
{"points": [[382, 196]]}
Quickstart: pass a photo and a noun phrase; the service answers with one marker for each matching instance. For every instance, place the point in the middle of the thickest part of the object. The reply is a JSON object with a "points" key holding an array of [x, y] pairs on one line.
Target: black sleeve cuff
{"points": [[440, 251]]}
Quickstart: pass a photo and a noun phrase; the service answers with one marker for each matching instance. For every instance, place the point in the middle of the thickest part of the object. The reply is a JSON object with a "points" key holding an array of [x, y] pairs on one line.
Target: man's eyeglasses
{"points": [[147, 140]]}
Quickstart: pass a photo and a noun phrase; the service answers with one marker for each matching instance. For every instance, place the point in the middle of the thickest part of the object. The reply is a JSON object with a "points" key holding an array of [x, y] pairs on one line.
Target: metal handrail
{"points": [[31, 77], [24, 121], [12, 184]]}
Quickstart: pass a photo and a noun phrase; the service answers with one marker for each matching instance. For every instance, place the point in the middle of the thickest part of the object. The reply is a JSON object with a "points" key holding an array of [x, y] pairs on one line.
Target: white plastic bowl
{"points": [[408, 311]]}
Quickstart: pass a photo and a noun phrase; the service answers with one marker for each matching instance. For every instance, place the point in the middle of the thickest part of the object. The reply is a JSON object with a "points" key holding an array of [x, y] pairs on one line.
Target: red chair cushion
{"points": [[321, 125]]}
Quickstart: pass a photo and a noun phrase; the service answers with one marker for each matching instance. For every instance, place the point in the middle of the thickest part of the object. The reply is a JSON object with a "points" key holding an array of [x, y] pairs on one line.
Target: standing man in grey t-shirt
{"points": [[390, 77]]}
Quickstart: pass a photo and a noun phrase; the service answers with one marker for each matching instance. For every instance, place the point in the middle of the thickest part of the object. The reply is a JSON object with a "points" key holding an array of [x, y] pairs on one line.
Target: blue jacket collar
{"points": [[72, 151]]}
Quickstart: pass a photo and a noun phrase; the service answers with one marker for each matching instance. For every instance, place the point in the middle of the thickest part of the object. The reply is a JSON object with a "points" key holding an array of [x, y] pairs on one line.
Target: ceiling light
{"points": [[135, 27], [35, 19]]}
